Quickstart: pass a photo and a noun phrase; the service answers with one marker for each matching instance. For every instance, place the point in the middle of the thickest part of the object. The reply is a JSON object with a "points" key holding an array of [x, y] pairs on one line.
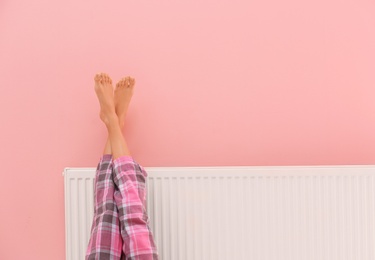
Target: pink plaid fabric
{"points": [[120, 228]]}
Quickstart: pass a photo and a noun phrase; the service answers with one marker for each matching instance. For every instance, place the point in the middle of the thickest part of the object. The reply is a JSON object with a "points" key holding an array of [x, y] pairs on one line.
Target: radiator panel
{"points": [[262, 213]]}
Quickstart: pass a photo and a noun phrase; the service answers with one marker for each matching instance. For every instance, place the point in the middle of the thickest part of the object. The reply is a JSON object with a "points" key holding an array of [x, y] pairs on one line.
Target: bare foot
{"points": [[104, 91], [123, 95]]}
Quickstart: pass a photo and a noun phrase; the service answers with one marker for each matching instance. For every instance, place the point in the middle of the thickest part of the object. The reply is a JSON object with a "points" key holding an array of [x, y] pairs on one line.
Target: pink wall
{"points": [[218, 83]]}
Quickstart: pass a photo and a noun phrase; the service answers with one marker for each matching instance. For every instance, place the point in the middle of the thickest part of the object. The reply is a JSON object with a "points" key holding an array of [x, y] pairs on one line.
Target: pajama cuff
{"points": [[123, 159], [106, 158], [126, 163]]}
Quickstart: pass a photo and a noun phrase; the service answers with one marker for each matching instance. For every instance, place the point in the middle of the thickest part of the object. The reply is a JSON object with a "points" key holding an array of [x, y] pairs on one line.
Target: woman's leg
{"points": [[105, 239], [138, 242], [107, 147]]}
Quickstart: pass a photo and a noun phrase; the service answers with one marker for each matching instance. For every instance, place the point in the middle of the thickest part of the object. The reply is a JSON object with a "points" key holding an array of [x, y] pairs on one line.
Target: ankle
{"points": [[121, 123], [111, 120]]}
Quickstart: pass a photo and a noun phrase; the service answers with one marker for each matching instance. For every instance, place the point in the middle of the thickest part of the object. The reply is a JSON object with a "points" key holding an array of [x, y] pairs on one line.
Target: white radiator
{"points": [[244, 213]]}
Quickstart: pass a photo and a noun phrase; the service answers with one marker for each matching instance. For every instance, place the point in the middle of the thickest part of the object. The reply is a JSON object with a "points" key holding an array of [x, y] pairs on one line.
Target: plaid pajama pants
{"points": [[120, 228]]}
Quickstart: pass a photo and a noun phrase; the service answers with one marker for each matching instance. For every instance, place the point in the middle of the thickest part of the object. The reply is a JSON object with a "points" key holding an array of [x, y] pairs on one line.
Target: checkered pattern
{"points": [[120, 228]]}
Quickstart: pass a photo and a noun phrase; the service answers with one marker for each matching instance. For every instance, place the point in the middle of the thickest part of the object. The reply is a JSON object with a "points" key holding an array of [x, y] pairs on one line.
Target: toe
{"points": [[124, 80], [97, 77], [109, 80], [106, 78], [132, 82], [128, 82], [103, 77]]}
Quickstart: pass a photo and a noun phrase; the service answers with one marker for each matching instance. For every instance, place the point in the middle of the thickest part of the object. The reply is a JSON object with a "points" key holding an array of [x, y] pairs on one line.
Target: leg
{"points": [[138, 243], [107, 147], [123, 94], [130, 195], [105, 240], [130, 198]]}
